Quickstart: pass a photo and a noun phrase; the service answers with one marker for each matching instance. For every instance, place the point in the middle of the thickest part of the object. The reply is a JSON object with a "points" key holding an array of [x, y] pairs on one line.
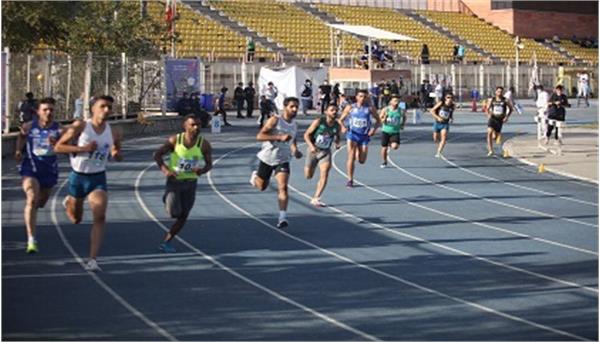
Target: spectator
{"points": [[335, 94], [238, 97], [220, 106], [461, 53], [583, 89], [424, 94], [542, 108], [425, 54], [455, 53], [27, 108], [265, 110], [324, 96], [271, 93], [184, 106], [306, 96], [78, 113], [375, 91], [394, 88], [510, 97], [198, 111], [250, 49], [343, 103], [439, 92], [387, 94], [556, 111], [249, 93]]}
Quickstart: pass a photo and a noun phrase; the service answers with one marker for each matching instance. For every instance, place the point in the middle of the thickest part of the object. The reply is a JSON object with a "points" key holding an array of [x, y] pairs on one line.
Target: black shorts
{"points": [[495, 123], [388, 138], [265, 170], [179, 197]]}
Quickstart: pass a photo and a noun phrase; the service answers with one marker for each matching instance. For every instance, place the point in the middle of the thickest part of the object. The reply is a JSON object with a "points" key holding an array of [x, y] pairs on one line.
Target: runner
{"points": [[443, 114], [279, 144], [393, 118], [90, 144], [359, 132], [38, 166], [187, 150], [319, 137], [498, 111]]}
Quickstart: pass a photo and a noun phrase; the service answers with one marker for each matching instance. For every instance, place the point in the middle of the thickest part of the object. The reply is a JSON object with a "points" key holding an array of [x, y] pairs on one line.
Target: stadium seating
{"points": [[440, 47], [204, 37], [491, 38], [288, 25], [589, 55]]}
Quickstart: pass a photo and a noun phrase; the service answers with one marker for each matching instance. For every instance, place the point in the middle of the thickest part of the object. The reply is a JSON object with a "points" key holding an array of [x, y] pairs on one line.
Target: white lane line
{"points": [[523, 187], [472, 195], [382, 273], [265, 289], [44, 275], [97, 279], [460, 218]]}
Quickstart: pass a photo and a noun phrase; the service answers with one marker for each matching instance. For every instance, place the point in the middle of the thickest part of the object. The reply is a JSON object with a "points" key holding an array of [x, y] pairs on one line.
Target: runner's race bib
{"points": [[186, 165], [41, 145], [444, 114], [358, 123], [323, 141], [100, 156], [498, 110], [392, 121]]}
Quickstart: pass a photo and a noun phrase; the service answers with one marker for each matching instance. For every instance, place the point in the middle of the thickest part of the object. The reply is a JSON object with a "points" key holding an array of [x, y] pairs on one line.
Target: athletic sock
{"points": [[282, 215], [31, 240]]}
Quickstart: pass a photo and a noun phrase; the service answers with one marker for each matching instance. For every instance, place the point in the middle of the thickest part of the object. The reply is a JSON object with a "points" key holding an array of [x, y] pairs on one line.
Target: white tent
{"points": [[368, 32], [290, 81]]}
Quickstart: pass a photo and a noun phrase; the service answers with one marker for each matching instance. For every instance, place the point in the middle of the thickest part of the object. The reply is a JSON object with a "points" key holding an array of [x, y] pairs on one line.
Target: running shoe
{"points": [[253, 177], [317, 203], [92, 266], [32, 248], [350, 184], [383, 165], [282, 224], [490, 154], [166, 247], [438, 155]]}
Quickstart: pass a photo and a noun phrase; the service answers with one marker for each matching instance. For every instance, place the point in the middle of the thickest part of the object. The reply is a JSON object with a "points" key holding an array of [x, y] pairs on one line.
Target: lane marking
{"points": [[382, 273], [247, 280], [97, 279]]}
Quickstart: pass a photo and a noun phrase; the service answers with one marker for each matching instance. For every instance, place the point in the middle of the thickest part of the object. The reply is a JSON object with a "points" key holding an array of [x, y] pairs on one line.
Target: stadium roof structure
{"points": [[371, 32]]}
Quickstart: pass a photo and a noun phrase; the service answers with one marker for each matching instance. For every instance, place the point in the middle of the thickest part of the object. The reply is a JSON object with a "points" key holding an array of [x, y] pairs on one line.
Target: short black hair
{"points": [[29, 95], [499, 87], [364, 91], [560, 87], [47, 100], [332, 104], [287, 100], [187, 117], [95, 99], [396, 96]]}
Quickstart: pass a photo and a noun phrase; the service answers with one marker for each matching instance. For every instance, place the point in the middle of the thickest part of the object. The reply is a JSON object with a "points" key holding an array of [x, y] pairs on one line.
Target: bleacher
{"points": [[288, 25], [589, 55], [491, 38], [440, 46], [206, 38]]}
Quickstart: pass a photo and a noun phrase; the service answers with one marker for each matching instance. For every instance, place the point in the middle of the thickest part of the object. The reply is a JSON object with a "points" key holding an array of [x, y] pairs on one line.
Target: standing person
{"points": [[324, 95], [188, 151], [220, 106], [424, 94], [250, 50], [498, 110], [542, 108], [510, 97], [89, 144], [238, 97], [319, 137], [583, 88], [306, 97], [443, 114], [461, 53], [279, 145], [271, 92], [439, 92], [359, 132], [27, 108], [425, 54], [374, 93], [335, 94], [394, 88], [38, 166], [387, 94], [265, 110], [78, 113], [249, 94], [393, 119], [556, 111]]}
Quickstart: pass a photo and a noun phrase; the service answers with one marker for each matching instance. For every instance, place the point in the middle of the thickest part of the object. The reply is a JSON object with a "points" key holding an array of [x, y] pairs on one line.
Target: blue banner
{"points": [[182, 75]]}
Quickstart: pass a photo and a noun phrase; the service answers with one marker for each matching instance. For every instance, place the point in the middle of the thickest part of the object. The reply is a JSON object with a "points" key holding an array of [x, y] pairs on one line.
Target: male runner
{"points": [[279, 144], [188, 150], [498, 111], [319, 137], [359, 132], [38, 165], [393, 118], [443, 113], [90, 144]]}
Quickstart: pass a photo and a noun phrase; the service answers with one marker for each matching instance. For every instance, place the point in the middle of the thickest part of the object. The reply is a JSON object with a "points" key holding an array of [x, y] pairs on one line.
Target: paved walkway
{"points": [[579, 158]]}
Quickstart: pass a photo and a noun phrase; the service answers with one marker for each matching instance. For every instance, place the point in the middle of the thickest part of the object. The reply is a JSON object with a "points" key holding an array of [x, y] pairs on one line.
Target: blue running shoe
{"points": [[166, 247]]}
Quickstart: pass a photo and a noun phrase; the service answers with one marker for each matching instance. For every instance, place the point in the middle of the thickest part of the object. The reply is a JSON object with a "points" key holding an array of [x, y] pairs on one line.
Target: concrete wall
{"points": [[130, 128]]}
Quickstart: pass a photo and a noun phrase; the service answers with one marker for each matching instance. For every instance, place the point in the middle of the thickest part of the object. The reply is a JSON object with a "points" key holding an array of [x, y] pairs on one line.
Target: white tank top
{"points": [[92, 162], [278, 152]]}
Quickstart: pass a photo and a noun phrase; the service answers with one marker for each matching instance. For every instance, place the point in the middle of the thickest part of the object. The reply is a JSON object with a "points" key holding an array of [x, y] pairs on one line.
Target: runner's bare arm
{"points": [[295, 151], [21, 138], [345, 114], [377, 121], [207, 153], [265, 135], [433, 111], [168, 147], [309, 131], [383, 115], [509, 104], [66, 144], [488, 104]]}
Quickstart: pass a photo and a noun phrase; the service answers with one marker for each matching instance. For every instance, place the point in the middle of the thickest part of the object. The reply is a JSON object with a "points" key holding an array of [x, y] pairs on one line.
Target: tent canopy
{"points": [[371, 32]]}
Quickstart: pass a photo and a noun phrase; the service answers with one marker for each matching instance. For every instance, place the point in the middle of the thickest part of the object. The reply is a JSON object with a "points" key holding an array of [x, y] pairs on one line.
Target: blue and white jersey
{"points": [[359, 120], [39, 150]]}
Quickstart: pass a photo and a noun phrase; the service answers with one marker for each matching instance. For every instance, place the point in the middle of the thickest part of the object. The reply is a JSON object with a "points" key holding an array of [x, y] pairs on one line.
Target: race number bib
{"points": [[358, 123], [100, 156], [186, 165], [444, 114], [41, 145], [498, 110], [323, 141], [392, 120]]}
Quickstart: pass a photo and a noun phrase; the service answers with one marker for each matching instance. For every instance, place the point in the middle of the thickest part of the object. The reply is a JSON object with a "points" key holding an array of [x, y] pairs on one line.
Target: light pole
{"points": [[518, 47]]}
